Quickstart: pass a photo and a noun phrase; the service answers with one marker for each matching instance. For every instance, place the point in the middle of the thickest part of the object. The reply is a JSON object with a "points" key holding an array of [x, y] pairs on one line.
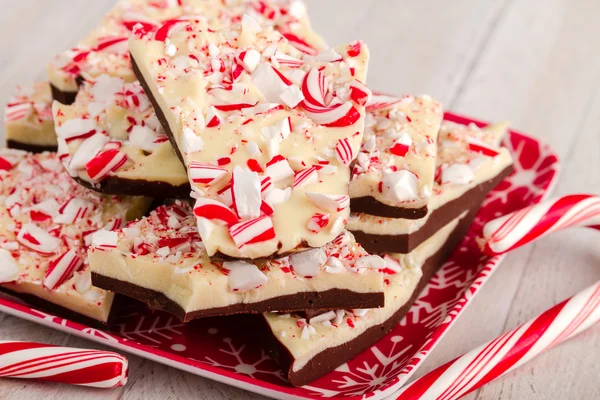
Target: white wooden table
{"points": [[533, 62]]}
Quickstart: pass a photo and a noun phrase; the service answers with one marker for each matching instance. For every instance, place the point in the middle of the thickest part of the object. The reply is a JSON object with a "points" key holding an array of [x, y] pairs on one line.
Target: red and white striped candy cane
{"points": [[521, 227], [509, 351], [94, 368]]}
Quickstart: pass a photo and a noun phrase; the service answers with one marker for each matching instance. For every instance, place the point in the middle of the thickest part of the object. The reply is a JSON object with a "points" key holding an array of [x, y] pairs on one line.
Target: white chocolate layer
{"points": [[164, 253], [123, 113], [237, 98], [400, 135], [28, 116], [304, 340], [453, 150], [44, 215]]}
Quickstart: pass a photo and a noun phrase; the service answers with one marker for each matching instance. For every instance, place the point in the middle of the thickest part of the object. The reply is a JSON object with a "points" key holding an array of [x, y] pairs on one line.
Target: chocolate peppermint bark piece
{"points": [[308, 348], [470, 163], [104, 50], [28, 119], [394, 173], [110, 140], [161, 261], [267, 133], [46, 222]]}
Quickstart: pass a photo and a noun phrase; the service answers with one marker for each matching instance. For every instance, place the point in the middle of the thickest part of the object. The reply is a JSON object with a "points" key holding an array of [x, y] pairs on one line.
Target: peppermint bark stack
{"points": [[470, 163], [267, 134], [318, 208]]}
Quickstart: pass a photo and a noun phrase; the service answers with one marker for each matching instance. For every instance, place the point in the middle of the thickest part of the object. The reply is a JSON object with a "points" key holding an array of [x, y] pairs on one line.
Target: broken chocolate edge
{"points": [[331, 358], [329, 299], [370, 205], [31, 148], [137, 187], [52, 308], [440, 217], [159, 112]]}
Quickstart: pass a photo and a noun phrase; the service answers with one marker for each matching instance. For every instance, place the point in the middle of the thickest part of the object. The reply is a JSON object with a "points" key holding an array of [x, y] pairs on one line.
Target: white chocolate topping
{"points": [[112, 131], [28, 116], [46, 220], [396, 164], [467, 156], [306, 339], [104, 50], [260, 126], [164, 253]]}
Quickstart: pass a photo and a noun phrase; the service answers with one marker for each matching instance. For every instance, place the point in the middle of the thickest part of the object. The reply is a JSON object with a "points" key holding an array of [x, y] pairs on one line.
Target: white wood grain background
{"points": [[533, 62]]}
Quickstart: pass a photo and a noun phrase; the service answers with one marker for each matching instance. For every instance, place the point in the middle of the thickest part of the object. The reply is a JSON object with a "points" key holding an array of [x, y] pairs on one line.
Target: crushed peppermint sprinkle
{"points": [[48, 222]]}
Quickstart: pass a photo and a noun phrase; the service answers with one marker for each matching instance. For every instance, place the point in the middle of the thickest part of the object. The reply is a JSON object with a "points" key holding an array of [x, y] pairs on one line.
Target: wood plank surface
{"points": [[535, 63]]}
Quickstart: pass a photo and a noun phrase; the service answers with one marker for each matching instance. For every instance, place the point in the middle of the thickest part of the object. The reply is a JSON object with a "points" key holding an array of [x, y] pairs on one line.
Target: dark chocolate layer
{"points": [[331, 358], [138, 187], [330, 299], [370, 205], [55, 309], [439, 218], [32, 148], [66, 98], [159, 112]]}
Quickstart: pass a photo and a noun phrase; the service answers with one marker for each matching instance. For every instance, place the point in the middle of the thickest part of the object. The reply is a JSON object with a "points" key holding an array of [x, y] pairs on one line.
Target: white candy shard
{"points": [[278, 168], [104, 240], [244, 276], [401, 185], [308, 263], [191, 142], [458, 174], [246, 190], [143, 137], [38, 239], [88, 150], [371, 261], [328, 202]]}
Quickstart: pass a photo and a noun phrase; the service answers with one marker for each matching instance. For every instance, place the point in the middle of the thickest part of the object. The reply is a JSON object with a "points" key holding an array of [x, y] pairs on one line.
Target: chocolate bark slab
{"points": [[55, 309], [370, 205], [138, 187], [331, 358], [32, 148], [305, 154], [160, 260], [287, 303], [438, 218]]}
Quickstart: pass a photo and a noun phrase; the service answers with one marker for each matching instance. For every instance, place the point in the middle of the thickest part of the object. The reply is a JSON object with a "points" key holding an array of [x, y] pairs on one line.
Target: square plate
{"points": [[216, 349]]}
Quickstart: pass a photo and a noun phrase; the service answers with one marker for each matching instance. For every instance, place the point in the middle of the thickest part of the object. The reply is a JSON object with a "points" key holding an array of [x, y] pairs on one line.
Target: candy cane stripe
{"points": [[511, 350], [92, 368], [521, 227]]}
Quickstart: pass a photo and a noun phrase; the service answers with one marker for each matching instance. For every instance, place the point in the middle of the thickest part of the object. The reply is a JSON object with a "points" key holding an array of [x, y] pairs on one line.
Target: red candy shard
{"points": [[318, 222], [104, 163], [254, 231], [214, 210], [307, 176], [205, 174], [344, 152], [61, 269]]}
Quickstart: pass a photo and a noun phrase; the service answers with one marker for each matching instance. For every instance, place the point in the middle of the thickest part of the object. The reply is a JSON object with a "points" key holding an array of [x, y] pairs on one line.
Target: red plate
{"points": [[215, 348]]}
